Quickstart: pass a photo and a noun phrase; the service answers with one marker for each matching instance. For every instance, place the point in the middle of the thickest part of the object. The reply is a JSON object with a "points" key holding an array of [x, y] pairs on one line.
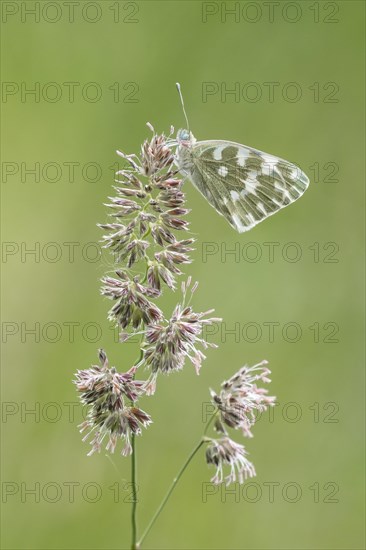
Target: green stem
{"points": [[171, 489], [134, 494], [210, 421], [176, 479], [134, 544]]}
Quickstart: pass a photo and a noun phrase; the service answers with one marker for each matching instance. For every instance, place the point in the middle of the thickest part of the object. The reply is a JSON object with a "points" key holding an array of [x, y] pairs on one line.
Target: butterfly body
{"points": [[243, 184]]}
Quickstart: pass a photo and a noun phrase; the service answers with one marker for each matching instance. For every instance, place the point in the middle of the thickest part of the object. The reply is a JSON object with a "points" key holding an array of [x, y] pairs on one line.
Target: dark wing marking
{"points": [[244, 185]]}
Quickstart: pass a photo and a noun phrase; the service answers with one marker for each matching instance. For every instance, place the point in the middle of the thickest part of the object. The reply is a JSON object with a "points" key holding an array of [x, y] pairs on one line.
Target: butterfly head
{"points": [[185, 138]]}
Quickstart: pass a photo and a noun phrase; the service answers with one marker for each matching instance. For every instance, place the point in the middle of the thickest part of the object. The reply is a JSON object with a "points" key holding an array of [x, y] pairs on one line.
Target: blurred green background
{"points": [[134, 53]]}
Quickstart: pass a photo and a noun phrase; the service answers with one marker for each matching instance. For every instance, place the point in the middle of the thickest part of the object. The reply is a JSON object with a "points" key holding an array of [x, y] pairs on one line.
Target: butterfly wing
{"points": [[244, 185]]}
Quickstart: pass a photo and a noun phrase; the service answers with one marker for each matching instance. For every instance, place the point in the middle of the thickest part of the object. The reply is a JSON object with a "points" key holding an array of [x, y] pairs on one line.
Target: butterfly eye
{"points": [[183, 135]]}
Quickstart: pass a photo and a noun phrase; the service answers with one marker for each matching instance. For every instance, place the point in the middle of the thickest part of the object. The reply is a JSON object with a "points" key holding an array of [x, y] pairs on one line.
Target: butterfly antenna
{"points": [[182, 102]]}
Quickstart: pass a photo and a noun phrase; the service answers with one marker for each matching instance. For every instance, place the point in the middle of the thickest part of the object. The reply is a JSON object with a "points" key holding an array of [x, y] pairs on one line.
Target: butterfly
{"points": [[243, 184]]}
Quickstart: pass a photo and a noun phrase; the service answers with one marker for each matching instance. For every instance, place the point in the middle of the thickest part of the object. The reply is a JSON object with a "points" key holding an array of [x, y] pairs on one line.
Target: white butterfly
{"points": [[244, 185]]}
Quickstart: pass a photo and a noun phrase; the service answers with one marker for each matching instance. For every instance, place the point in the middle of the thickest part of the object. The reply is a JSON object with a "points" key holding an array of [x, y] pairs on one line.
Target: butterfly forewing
{"points": [[243, 184]]}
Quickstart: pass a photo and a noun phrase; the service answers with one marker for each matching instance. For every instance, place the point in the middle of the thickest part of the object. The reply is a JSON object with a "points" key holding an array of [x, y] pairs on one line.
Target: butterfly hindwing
{"points": [[243, 184]]}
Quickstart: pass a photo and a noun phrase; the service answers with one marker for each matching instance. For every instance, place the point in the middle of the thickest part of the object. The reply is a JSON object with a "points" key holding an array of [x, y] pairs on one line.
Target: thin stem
{"points": [[210, 421], [134, 494], [171, 489]]}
